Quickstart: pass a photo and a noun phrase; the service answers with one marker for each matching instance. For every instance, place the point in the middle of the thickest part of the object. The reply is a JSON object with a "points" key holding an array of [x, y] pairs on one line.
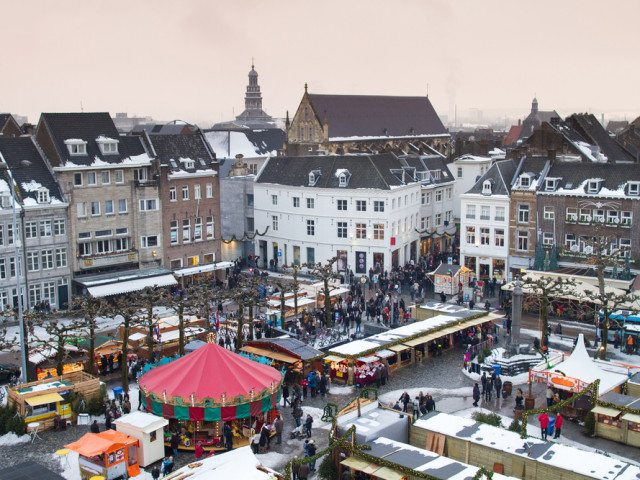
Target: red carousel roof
{"points": [[209, 372]]}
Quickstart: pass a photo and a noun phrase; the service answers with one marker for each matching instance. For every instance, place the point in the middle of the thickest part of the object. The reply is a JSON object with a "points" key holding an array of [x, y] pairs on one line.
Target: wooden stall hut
{"points": [[372, 421], [501, 450], [288, 353], [47, 401], [614, 423], [203, 389], [633, 385], [109, 454], [148, 429], [449, 279]]}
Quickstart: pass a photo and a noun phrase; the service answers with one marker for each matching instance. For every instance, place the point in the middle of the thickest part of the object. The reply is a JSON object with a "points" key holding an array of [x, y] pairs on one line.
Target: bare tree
{"points": [[184, 303], [129, 308], [58, 334], [603, 252], [92, 309], [150, 297], [325, 273], [283, 285], [295, 284]]}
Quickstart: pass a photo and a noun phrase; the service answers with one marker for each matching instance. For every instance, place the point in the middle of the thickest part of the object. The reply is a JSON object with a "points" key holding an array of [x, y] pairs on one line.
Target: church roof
{"points": [[377, 116]]}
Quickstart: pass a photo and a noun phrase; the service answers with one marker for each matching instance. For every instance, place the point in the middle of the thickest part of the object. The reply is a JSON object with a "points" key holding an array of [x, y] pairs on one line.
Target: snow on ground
{"points": [[13, 439], [273, 460], [341, 390], [316, 414], [392, 396], [495, 353]]}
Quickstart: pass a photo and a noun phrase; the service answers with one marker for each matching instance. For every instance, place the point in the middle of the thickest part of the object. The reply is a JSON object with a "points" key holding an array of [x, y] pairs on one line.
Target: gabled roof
{"points": [[513, 135], [175, 147], [590, 128], [367, 171], [500, 174], [377, 116], [9, 127], [429, 163], [15, 150], [249, 143], [89, 127], [574, 175]]}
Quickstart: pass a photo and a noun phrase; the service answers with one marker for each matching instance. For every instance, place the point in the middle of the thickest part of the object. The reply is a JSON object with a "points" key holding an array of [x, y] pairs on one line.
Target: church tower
{"points": [[253, 101]]}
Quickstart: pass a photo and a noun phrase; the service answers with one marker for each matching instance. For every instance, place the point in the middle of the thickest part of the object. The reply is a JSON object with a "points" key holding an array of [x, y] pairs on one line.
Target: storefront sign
{"points": [[361, 262]]}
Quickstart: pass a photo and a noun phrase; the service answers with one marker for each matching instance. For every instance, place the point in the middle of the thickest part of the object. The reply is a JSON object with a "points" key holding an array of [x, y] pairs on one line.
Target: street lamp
{"points": [[16, 246]]}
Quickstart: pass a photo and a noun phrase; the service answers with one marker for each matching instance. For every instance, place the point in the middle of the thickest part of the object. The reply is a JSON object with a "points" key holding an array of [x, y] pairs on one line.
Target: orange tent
{"points": [[115, 447]]}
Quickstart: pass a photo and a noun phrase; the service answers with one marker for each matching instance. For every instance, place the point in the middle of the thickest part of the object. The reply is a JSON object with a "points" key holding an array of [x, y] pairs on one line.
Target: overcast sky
{"points": [[189, 59]]}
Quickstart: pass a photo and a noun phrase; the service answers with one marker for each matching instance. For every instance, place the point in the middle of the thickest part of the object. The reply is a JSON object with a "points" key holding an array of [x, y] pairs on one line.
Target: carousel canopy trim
{"points": [[210, 376]]}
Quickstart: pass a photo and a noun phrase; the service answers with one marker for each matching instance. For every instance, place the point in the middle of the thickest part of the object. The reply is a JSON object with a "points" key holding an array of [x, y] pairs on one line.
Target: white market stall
{"points": [[149, 430]]}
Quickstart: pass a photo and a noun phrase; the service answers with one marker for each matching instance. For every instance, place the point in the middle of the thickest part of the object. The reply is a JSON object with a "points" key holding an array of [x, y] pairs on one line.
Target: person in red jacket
{"points": [[558, 426], [544, 423], [199, 451]]}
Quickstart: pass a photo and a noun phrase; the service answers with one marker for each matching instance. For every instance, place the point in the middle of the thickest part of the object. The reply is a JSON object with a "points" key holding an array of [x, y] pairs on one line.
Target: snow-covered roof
{"points": [[589, 464], [143, 421]]}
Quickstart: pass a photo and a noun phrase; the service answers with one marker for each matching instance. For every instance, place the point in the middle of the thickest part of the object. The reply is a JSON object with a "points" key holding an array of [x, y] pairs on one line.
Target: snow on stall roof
{"points": [[585, 463], [144, 421], [32, 186]]}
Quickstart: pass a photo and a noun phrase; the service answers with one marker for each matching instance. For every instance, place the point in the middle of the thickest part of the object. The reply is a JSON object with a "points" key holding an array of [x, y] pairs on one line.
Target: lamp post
{"points": [[16, 246]]}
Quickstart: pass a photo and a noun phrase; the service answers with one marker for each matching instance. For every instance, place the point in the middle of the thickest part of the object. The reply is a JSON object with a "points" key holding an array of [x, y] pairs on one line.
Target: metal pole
{"points": [[23, 345]]}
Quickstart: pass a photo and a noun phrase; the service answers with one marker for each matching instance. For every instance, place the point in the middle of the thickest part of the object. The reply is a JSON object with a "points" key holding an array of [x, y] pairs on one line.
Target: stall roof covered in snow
{"points": [[374, 422], [589, 464], [143, 421]]}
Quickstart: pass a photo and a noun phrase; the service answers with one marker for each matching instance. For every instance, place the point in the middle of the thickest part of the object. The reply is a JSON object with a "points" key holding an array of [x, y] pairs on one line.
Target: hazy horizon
{"points": [[189, 60]]}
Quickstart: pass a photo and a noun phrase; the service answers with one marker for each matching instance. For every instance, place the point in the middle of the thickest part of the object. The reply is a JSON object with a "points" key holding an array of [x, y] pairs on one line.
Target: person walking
{"points": [[297, 415], [405, 398], [483, 381], [476, 395], [430, 403], [155, 473], [285, 394], [228, 436], [498, 386], [279, 425], [307, 424], [198, 450], [175, 441], [549, 396], [303, 472], [544, 424], [416, 408], [311, 451], [95, 428], [558, 426]]}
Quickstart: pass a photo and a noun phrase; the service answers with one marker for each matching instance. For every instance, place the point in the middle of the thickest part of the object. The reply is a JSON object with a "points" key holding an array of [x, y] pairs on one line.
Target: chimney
{"points": [[551, 155], [519, 121]]}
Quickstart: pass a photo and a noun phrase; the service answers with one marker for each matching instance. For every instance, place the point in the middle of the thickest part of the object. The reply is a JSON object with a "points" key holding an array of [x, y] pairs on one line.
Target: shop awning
{"points": [[386, 473], [397, 348], [355, 463], [385, 353], [43, 399], [210, 267], [631, 417], [419, 340], [333, 358], [368, 359], [263, 352], [133, 285], [609, 412]]}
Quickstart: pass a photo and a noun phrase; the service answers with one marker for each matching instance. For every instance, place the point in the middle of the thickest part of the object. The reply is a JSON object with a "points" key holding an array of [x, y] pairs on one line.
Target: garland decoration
{"points": [[246, 236], [329, 413], [592, 388], [433, 233], [364, 393]]}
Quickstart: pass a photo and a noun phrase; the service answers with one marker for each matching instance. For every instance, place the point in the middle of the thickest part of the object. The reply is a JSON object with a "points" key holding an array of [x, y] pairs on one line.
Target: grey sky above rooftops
{"points": [[189, 60]]}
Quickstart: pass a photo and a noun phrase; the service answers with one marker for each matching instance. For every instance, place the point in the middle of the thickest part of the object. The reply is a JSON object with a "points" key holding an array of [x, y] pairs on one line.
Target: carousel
{"points": [[201, 391]]}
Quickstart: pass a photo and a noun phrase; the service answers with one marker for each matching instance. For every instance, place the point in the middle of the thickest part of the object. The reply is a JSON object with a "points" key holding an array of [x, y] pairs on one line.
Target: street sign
{"points": [[279, 253]]}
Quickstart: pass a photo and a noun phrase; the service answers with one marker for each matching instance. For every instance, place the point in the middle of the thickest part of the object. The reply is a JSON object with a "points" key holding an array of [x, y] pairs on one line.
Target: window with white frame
{"points": [[447, 216], [59, 226], [3, 269], [342, 180], [523, 213], [311, 255], [438, 219], [95, 208], [103, 247], [499, 237], [209, 227], [613, 217], [173, 232], [12, 267], [108, 146], [76, 147], [585, 215], [342, 204], [196, 192], [471, 235], [499, 214], [459, 172], [122, 205], [547, 238], [549, 213], [342, 229], [625, 247], [634, 189], [449, 193], [209, 190], [47, 259], [485, 236], [361, 230], [274, 199], [525, 181], [427, 198], [486, 187], [149, 241], [61, 257], [197, 229], [31, 229], [471, 212], [310, 203], [82, 209], [296, 202], [626, 218], [45, 228], [49, 292], [91, 178], [84, 249], [77, 179], [438, 196], [378, 206], [186, 230], [427, 223], [105, 177], [569, 240], [43, 195], [149, 204], [572, 214], [185, 192], [141, 174], [33, 261], [35, 296], [119, 176], [598, 215], [378, 231], [361, 205], [274, 223], [108, 207], [173, 197], [122, 244], [485, 212], [311, 227], [522, 241], [592, 186]]}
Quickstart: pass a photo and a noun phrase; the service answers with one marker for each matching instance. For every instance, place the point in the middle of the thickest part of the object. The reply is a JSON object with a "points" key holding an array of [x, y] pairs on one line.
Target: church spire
{"points": [[253, 99]]}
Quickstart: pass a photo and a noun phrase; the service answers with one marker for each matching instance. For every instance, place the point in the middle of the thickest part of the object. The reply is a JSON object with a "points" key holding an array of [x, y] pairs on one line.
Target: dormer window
{"points": [[593, 186], [525, 181], [342, 180], [486, 187], [312, 178], [108, 146], [551, 184], [436, 174], [76, 146], [188, 164], [343, 177], [43, 195], [634, 189], [5, 200]]}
